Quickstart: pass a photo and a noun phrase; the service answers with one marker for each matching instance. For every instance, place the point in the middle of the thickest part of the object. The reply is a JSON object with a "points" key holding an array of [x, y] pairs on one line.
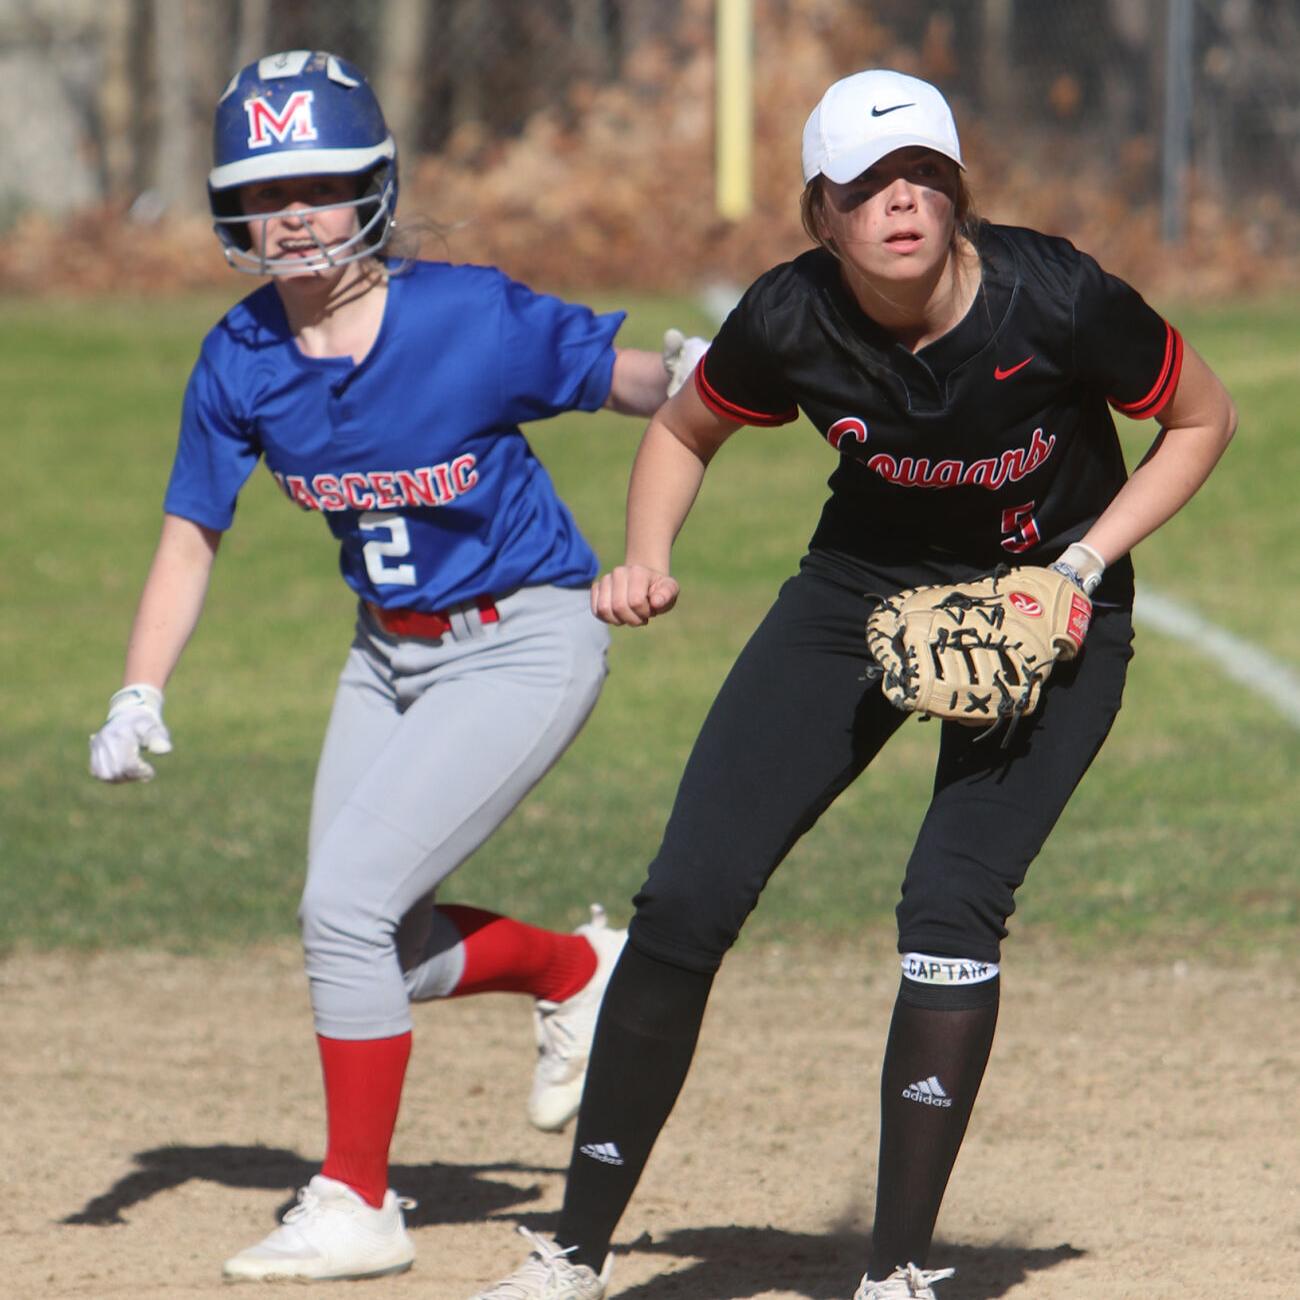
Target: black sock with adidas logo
{"points": [[939, 1043], [645, 1038]]}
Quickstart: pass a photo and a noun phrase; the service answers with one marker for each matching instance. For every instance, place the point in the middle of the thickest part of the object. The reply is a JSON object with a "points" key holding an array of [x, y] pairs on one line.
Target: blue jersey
{"points": [[414, 457]]}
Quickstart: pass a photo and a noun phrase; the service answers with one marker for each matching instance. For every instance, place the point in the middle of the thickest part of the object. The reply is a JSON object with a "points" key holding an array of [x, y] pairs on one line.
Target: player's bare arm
{"points": [[1196, 426], [639, 384], [166, 617], [642, 380], [678, 445], [171, 601]]}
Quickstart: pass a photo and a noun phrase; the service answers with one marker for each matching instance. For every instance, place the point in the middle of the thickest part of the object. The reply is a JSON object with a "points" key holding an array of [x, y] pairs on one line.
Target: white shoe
{"points": [[564, 1032], [905, 1283], [547, 1274], [330, 1235]]}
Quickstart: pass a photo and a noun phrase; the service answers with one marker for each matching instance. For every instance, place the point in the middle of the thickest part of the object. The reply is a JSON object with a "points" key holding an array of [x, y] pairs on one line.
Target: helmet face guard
{"points": [[241, 240], [300, 113]]}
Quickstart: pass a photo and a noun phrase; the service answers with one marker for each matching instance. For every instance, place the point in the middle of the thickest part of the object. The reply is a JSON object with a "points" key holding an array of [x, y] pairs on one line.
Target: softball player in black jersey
{"points": [[964, 373]]}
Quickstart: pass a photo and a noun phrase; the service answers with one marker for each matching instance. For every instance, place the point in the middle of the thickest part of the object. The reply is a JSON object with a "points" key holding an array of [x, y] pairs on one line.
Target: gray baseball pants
{"points": [[431, 744]]}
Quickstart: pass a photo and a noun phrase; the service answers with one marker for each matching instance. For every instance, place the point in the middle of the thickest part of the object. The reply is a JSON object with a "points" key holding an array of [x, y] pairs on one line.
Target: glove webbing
{"points": [[1011, 703]]}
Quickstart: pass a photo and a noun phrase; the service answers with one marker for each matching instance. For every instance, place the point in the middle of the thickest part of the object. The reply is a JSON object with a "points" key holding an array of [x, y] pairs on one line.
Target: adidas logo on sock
{"points": [[929, 1092], [606, 1152]]}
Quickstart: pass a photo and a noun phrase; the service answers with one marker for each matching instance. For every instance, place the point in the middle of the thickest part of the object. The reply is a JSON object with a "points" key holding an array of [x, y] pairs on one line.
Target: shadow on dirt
{"points": [[732, 1263], [715, 1263], [443, 1193]]}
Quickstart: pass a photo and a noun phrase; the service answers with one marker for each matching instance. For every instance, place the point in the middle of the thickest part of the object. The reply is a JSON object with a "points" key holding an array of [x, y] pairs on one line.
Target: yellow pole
{"points": [[734, 144]]}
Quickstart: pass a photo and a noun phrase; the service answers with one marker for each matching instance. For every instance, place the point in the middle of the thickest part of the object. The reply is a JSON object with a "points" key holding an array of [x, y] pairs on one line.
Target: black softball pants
{"points": [[797, 720]]}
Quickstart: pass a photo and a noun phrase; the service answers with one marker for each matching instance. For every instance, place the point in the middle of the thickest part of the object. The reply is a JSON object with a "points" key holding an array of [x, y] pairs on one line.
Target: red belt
{"points": [[428, 625]]}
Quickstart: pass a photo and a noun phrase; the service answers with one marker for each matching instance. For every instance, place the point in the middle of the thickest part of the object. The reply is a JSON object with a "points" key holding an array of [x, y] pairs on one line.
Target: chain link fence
{"points": [[566, 137]]}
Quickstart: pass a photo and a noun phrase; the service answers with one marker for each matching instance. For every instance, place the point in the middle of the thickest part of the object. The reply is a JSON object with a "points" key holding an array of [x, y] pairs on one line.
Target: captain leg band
{"points": [[954, 983]]}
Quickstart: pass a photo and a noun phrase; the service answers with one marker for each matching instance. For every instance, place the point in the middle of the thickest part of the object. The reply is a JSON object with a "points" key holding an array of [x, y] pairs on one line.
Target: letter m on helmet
{"points": [[294, 121]]}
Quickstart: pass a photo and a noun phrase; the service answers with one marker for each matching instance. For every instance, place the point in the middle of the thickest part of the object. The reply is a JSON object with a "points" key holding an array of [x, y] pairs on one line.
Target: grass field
{"points": [[1182, 837]]}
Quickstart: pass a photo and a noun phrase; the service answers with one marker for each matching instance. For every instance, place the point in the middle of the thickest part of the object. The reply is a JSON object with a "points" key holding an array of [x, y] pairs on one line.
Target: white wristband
{"points": [[1084, 564], [137, 695]]}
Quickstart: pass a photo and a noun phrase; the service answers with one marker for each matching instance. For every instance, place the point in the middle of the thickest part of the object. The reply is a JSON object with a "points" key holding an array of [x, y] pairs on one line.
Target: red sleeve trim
{"points": [[729, 410], [1164, 387]]}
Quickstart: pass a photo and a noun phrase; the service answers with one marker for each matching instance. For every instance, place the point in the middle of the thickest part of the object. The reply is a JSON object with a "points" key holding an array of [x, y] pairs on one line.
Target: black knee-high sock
{"points": [[645, 1038], [939, 1043]]}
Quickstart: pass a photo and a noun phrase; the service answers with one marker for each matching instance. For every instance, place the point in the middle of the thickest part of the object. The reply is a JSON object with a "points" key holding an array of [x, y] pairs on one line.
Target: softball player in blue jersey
{"points": [[386, 394]]}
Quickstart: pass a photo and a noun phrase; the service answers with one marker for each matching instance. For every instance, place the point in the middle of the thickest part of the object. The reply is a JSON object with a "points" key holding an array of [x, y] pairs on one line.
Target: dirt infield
{"points": [[1138, 1134]]}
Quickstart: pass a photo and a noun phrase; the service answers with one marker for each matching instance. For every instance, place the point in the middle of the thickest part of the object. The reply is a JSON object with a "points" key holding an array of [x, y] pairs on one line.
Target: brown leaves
{"points": [[613, 188]]}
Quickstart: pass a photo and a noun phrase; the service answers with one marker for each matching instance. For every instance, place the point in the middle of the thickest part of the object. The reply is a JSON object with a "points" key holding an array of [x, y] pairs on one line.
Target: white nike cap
{"points": [[863, 117]]}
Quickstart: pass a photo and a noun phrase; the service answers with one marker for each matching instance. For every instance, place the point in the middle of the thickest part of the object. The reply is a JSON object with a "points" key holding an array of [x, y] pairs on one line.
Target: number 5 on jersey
{"points": [[1020, 528]]}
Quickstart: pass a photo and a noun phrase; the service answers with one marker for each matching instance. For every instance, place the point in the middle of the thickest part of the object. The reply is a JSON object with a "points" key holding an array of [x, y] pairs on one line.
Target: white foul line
{"points": [[1245, 664]]}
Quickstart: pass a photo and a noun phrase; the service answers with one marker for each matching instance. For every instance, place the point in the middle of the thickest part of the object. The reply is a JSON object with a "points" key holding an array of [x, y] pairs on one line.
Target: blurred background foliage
{"points": [[572, 141]]}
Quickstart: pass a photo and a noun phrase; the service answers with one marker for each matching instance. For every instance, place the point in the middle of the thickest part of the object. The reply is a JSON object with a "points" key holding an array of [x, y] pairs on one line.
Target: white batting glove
{"points": [[134, 724], [680, 357]]}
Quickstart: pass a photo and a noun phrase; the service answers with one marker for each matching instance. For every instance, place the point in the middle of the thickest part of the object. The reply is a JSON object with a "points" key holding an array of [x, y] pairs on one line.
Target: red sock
{"points": [[363, 1085], [505, 956]]}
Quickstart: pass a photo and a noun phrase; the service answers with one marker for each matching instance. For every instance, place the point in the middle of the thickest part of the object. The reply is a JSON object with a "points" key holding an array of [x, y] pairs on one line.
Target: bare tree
{"points": [[590, 37], [997, 85], [1129, 96], [468, 33], [115, 154], [402, 64], [174, 150], [252, 26]]}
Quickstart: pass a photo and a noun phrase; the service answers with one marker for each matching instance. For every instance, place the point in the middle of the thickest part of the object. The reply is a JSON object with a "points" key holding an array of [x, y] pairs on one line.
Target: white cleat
{"points": [[332, 1234], [547, 1274], [905, 1283], [565, 1029]]}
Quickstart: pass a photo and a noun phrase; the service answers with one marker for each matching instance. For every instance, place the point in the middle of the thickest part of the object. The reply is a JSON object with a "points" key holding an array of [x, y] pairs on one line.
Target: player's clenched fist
{"points": [[134, 724], [632, 595]]}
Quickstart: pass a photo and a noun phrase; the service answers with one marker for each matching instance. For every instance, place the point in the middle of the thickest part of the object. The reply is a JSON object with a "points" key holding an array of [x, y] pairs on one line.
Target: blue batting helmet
{"points": [[301, 113]]}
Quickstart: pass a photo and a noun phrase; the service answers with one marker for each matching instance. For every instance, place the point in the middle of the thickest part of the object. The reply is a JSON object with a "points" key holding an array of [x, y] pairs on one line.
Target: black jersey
{"points": [[993, 444]]}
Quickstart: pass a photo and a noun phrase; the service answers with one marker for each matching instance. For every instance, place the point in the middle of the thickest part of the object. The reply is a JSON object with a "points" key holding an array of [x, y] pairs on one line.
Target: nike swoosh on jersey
{"points": [[999, 373], [880, 112]]}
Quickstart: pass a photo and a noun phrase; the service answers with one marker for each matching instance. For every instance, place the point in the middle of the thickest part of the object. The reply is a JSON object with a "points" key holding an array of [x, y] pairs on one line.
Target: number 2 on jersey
{"points": [[1020, 528], [379, 551]]}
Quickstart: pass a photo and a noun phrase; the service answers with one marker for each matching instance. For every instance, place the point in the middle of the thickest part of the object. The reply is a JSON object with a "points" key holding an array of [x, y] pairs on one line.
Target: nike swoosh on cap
{"points": [[880, 112], [999, 373]]}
